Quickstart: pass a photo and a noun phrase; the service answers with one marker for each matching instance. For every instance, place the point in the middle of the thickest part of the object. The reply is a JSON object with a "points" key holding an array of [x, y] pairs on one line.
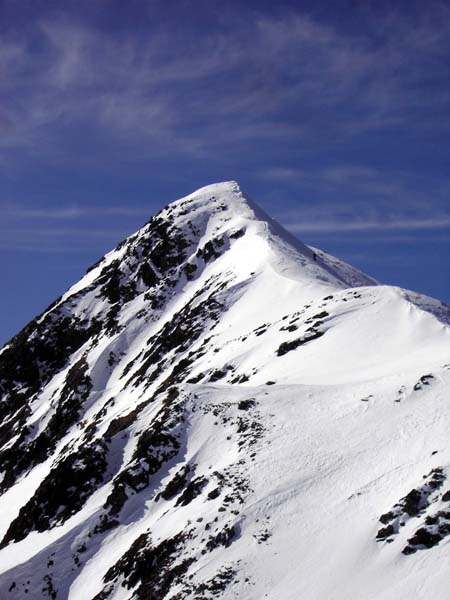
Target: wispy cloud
{"points": [[265, 76], [60, 240], [349, 198], [22, 212], [366, 226], [71, 229], [333, 179], [31, 213]]}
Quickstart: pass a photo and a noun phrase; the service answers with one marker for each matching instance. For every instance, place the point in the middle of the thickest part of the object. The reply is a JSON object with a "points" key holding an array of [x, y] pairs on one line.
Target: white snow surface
{"points": [[314, 400]]}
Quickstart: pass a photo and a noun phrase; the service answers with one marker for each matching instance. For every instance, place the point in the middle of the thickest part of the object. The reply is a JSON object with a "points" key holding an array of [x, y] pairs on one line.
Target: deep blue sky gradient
{"points": [[333, 116]]}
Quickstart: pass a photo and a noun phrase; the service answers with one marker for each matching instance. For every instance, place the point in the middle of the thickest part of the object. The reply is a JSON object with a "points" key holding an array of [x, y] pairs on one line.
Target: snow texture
{"points": [[217, 410]]}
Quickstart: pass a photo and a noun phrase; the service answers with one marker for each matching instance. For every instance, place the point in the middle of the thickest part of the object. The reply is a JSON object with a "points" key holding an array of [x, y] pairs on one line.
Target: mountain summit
{"points": [[216, 410]]}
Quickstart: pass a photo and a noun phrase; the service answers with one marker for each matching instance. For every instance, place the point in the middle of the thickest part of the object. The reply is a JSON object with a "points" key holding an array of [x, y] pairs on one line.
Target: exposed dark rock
{"points": [[385, 532], [411, 505], [424, 380], [192, 490], [151, 570], [196, 378], [176, 484], [120, 423], [223, 538], [237, 234], [217, 374], [62, 493], [215, 493], [446, 496], [35, 354], [210, 250], [21, 456], [286, 347], [194, 319], [246, 404], [320, 315], [216, 584], [148, 275], [422, 537], [190, 269], [240, 379], [156, 445]]}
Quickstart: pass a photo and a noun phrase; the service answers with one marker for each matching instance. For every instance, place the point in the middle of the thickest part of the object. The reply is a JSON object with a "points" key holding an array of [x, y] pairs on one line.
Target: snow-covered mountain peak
{"points": [[213, 206], [217, 229], [212, 409]]}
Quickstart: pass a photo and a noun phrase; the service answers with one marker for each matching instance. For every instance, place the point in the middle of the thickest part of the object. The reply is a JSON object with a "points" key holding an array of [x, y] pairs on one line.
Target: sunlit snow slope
{"points": [[218, 411]]}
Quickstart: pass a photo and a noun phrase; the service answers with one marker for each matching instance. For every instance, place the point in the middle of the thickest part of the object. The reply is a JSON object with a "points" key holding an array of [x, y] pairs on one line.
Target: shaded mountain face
{"points": [[217, 410]]}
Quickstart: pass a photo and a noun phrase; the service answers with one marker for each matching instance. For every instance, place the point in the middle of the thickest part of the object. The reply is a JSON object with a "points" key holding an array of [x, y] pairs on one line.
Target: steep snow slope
{"points": [[218, 410]]}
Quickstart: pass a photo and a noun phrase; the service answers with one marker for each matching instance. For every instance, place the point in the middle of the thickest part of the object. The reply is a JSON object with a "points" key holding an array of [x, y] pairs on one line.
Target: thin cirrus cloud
{"points": [[71, 213], [359, 179], [288, 75], [47, 239], [357, 199], [54, 230], [340, 226]]}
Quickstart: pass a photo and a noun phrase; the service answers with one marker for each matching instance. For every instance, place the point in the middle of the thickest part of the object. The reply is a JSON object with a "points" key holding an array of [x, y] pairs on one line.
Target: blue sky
{"points": [[333, 116]]}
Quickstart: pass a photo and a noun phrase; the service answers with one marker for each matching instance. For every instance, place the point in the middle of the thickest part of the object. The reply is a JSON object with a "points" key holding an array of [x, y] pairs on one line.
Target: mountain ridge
{"points": [[140, 413]]}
